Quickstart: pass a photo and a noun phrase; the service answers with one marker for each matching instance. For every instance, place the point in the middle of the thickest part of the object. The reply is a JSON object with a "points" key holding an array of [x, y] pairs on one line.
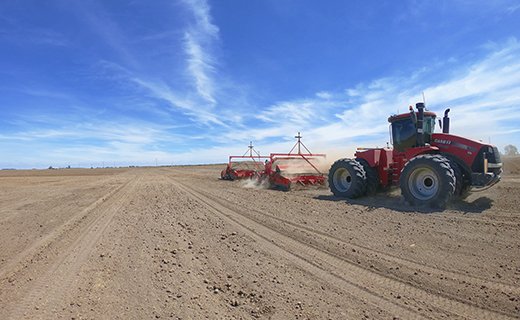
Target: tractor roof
{"points": [[397, 117]]}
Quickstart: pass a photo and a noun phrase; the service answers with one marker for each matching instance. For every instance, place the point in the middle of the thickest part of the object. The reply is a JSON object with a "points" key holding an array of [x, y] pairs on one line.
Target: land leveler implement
{"points": [[294, 168], [245, 165], [432, 169]]}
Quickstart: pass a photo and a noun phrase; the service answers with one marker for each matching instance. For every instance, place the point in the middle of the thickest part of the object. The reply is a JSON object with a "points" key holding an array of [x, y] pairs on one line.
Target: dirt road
{"points": [[148, 243]]}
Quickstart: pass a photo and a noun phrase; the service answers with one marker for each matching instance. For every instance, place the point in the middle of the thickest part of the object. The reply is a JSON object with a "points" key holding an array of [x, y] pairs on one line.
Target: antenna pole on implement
{"points": [[298, 137]]}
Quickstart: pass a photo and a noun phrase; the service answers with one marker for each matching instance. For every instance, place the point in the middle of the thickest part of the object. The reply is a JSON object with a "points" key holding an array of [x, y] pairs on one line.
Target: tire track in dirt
{"points": [[45, 295], [29, 199], [381, 262], [44, 241], [311, 233], [408, 301], [8, 211], [502, 217], [456, 210], [305, 257]]}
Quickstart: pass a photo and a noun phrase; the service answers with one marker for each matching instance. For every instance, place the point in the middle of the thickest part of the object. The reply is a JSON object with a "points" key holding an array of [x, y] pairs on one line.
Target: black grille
{"points": [[496, 155], [492, 155]]}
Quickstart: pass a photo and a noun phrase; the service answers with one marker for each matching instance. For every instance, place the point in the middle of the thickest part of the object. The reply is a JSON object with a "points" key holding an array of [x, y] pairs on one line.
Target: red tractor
{"points": [[431, 168]]}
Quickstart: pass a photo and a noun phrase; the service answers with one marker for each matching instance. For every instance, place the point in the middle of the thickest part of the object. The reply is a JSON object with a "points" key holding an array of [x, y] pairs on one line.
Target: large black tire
{"points": [[463, 184], [347, 179], [428, 181], [372, 177], [458, 177]]}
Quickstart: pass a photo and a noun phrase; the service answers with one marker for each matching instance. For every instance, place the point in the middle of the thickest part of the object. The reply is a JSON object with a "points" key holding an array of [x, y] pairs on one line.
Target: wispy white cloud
{"points": [[200, 67], [512, 9], [497, 72], [324, 95], [190, 107], [80, 144], [298, 112], [196, 97], [200, 42], [137, 133], [201, 11]]}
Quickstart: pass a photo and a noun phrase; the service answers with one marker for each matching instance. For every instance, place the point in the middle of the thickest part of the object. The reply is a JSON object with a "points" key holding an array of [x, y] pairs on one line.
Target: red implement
{"points": [[287, 169], [244, 166]]}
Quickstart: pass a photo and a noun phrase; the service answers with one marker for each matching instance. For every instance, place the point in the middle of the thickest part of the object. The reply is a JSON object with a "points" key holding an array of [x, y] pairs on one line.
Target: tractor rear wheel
{"points": [[428, 181], [372, 177], [347, 179]]}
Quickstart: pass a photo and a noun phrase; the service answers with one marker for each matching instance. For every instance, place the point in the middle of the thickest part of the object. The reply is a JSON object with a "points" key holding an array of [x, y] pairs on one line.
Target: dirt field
{"points": [[148, 243]]}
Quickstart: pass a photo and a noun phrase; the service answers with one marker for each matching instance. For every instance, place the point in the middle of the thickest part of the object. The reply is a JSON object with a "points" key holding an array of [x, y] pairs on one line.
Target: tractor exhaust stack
{"points": [[446, 122], [419, 142]]}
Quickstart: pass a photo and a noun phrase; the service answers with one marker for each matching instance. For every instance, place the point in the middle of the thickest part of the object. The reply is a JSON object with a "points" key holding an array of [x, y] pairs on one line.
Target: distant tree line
{"points": [[510, 150]]}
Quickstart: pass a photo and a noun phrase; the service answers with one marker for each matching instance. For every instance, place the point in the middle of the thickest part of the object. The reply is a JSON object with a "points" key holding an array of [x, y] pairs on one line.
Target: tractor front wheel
{"points": [[347, 179], [428, 181]]}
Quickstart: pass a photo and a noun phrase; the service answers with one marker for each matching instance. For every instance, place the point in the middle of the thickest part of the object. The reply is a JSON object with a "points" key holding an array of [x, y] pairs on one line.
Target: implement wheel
{"points": [[428, 181], [224, 175], [347, 179]]}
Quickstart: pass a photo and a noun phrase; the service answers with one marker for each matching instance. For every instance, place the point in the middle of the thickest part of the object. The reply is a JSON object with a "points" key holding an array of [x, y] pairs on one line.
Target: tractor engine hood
{"points": [[481, 160]]}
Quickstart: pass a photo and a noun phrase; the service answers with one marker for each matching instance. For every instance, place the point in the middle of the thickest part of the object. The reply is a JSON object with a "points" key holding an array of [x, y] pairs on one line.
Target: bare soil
{"points": [[177, 242]]}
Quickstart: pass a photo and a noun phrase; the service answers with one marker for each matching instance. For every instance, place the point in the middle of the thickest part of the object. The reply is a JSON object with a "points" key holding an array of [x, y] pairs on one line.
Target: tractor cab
{"points": [[404, 133]]}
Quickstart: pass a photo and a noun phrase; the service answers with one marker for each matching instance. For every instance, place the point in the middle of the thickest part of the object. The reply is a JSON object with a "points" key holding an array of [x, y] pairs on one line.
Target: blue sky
{"points": [[92, 83]]}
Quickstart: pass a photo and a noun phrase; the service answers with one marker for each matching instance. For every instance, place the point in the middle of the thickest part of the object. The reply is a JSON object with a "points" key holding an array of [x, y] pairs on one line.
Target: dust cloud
{"points": [[254, 184]]}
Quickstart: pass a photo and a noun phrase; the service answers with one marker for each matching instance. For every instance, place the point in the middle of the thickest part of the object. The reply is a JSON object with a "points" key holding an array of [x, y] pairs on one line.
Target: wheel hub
{"points": [[342, 180], [423, 183]]}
